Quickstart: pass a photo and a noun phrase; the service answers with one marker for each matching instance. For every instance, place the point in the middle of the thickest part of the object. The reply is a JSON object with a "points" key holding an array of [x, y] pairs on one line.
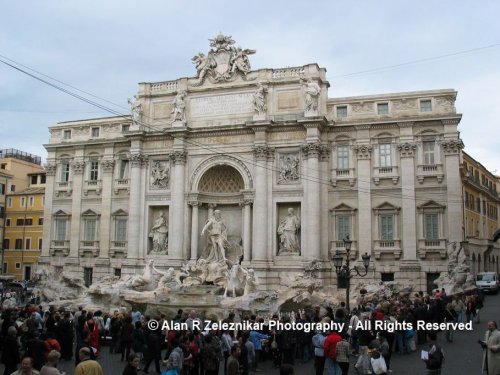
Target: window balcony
{"points": [[59, 247], [89, 247], [388, 173], [118, 249], [121, 184], [430, 170], [387, 247], [427, 246], [65, 187], [340, 247], [343, 175], [92, 185]]}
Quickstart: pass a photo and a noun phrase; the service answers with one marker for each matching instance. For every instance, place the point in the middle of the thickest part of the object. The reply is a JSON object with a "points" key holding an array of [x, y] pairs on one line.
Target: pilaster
{"points": [[408, 213]]}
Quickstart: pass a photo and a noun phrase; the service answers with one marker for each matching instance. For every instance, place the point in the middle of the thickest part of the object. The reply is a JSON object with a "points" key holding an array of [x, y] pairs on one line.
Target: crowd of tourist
{"points": [[34, 340]]}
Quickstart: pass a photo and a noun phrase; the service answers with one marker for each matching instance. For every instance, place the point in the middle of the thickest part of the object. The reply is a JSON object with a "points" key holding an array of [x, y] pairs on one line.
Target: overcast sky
{"points": [[106, 47]]}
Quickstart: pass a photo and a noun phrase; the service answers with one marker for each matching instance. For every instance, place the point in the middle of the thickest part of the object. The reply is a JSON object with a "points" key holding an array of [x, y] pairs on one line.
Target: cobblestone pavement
{"points": [[462, 356]]}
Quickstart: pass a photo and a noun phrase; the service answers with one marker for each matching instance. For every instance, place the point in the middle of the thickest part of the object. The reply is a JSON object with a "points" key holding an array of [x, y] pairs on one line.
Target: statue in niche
{"points": [[217, 231], [159, 175], [312, 91], [136, 108], [289, 169], [259, 100], [288, 231], [159, 234], [179, 109]]}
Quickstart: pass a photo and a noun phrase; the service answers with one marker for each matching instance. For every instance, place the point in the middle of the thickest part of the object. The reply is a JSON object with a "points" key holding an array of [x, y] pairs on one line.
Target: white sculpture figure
{"points": [[259, 100], [288, 231], [312, 91], [240, 61], [136, 108], [166, 278], [159, 175], [159, 234], [233, 280], [179, 109], [144, 279], [250, 282], [203, 64], [217, 231]]}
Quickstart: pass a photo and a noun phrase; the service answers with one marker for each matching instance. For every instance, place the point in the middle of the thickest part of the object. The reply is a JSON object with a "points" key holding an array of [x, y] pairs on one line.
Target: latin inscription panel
{"points": [[221, 105]]}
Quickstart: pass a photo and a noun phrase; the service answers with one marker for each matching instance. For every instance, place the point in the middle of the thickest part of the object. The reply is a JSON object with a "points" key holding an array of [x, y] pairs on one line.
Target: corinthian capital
{"points": [[78, 167], [407, 149], [50, 169], [263, 152], [179, 156], [452, 146], [107, 165], [312, 150], [363, 151], [138, 159]]}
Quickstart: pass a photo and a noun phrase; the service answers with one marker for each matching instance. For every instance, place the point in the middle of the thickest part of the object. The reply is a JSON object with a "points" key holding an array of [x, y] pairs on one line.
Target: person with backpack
{"points": [[435, 359]]}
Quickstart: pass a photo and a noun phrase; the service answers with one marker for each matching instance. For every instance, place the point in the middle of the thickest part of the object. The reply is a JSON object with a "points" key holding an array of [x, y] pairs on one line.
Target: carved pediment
{"points": [[90, 213], [343, 207], [61, 213], [120, 212]]}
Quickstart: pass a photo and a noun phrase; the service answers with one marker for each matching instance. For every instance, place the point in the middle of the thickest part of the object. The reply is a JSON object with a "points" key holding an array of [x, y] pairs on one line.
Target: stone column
{"points": [[364, 236], [50, 172], [325, 210], [107, 167], [408, 213], [247, 228], [178, 205], [451, 150], [134, 214], [78, 168], [311, 153], [194, 229], [260, 215]]}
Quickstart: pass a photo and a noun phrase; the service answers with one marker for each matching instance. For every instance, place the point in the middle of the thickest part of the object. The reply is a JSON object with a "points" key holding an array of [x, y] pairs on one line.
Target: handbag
{"points": [[378, 365]]}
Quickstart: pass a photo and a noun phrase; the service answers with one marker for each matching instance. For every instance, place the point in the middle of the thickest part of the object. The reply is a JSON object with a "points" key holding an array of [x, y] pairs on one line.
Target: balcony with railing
{"points": [[387, 247], [118, 249], [343, 174], [427, 246], [339, 245], [59, 247], [89, 247], [388, 173], [92, 185], [121, 184], [430, 170], [65, 187]]}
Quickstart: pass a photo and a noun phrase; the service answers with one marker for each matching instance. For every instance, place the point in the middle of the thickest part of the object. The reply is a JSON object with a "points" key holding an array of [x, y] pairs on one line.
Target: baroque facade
{"points": [[290, 171]]}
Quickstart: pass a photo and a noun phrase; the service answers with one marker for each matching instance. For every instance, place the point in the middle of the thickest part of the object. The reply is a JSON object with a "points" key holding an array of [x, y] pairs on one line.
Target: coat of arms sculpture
{"points": [[223, 63]]}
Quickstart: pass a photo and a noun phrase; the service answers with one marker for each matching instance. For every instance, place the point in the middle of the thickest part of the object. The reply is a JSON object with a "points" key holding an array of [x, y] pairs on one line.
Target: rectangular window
{"points": [[426, 106], [343, 227], [7, 222], [12, 188], [428, 152], [19, 244], [343, 157], [94, 170], [43, 179], [118, 272], [2, 212], [67, 134], [28, 244], [87, 276], [31, 201], [40, 221], [383, 108], [18, 266], [342, 111], [123, 171], [60, 229], [89, 233], [9, 202], [64, 172], [4, 268], [28, 222], [43, 200], [431, 227], [33, 179], [387, 227], [121, 230], [2, 189], [95, 132], [40, 243], [20, 222], [6, 243], [478, 204], [385, 155], [125, 128], [3, 166], [387, 276], [23, 202]]}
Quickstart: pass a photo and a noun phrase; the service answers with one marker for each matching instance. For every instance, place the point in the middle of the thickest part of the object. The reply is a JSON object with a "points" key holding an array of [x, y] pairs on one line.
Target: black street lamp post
{"points": [[343, 270]]}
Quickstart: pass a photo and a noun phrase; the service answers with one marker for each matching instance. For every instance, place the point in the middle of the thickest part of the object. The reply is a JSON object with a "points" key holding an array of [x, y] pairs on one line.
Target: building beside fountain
{"points": [[259, 165]]}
